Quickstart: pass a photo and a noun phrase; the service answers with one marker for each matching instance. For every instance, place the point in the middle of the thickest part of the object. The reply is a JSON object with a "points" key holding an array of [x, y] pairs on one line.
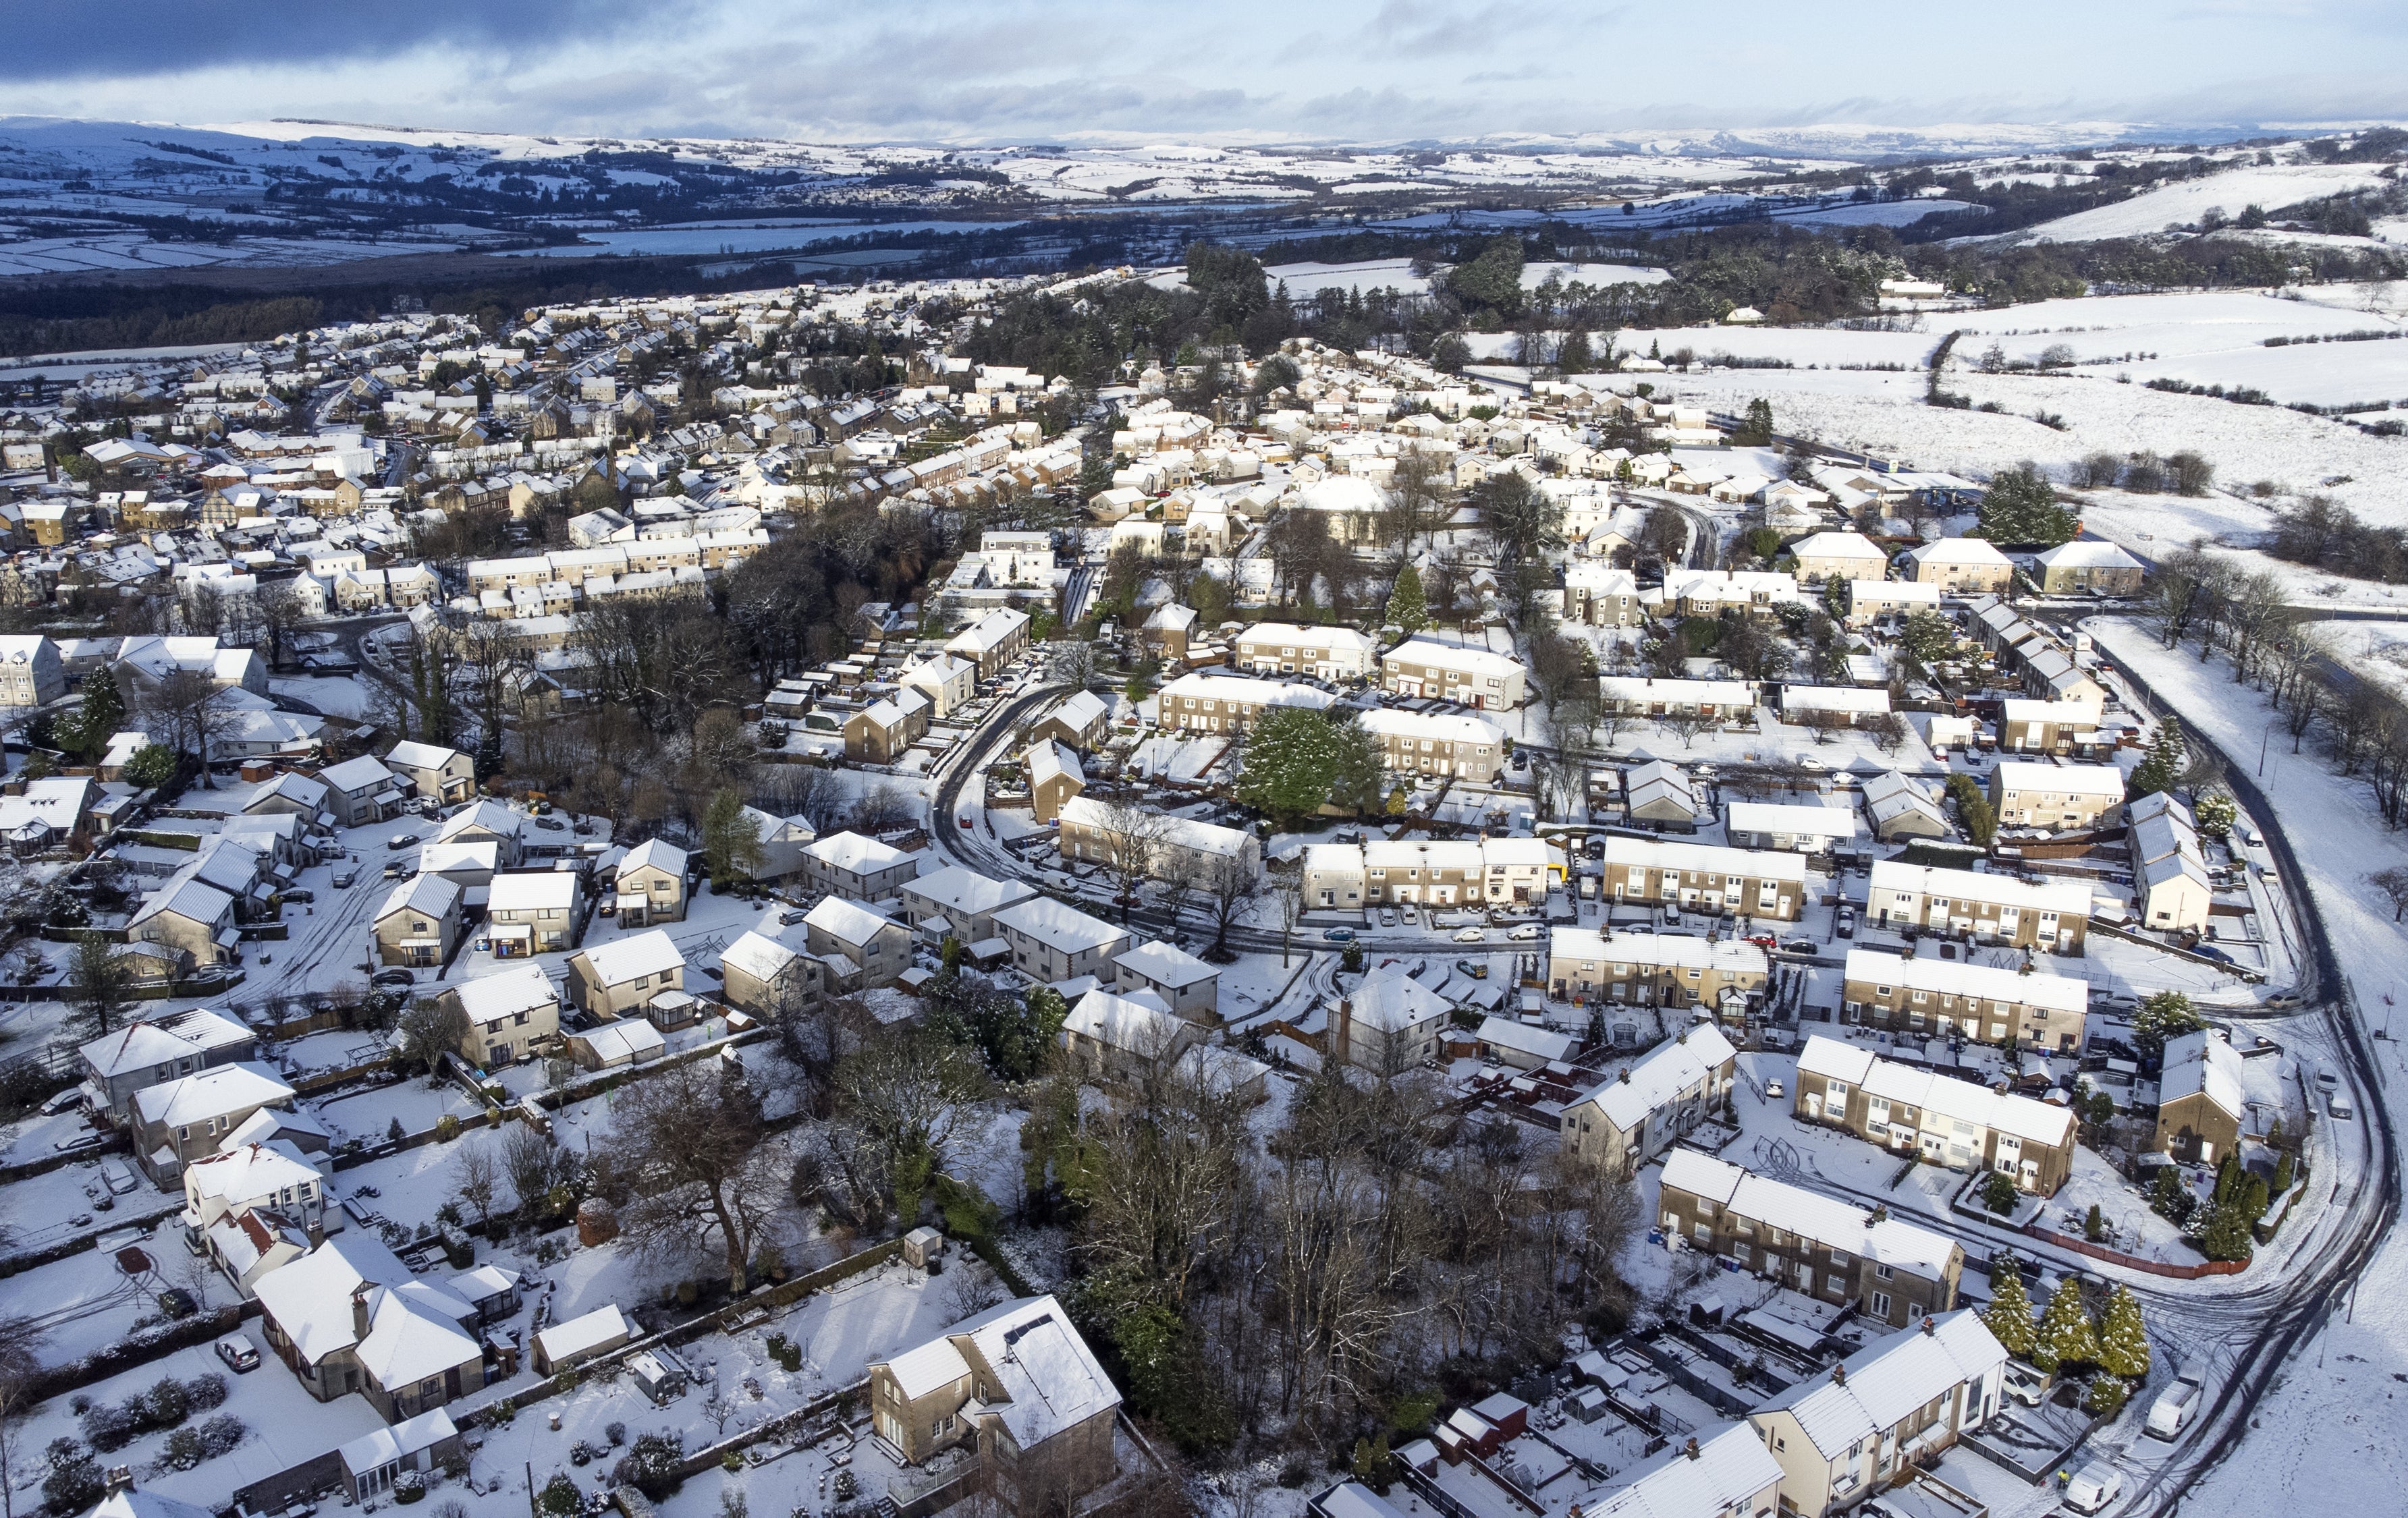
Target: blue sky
{"points": [[1362, 70]]}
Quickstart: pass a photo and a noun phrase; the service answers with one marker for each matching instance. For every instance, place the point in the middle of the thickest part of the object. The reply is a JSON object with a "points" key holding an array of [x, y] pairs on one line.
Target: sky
{"points": [[997, 71]]}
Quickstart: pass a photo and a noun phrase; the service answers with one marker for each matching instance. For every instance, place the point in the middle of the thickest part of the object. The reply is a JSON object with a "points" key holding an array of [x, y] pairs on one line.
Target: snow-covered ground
{"points": [[2183, 202]]}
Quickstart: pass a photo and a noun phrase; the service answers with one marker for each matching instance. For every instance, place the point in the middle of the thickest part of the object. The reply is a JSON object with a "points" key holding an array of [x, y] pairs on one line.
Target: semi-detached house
{"points": [[1941, 1119], [1051, 942], [2057, 797], [1437, 743], [1423, 666], [857, 867], [1627, 1121], [1898, 1401]]}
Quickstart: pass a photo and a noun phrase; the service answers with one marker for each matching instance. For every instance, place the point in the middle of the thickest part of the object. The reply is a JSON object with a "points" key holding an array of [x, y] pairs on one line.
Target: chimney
{"points": [[121, 1479], [360, 1310], [1928, 1324], [1690, 1449], [1839, 1375]]}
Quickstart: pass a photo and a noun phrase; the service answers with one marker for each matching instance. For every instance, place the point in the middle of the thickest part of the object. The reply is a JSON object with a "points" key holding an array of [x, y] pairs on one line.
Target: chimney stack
{"points": [[1691, 1448], [360, 1310], [119, 1478], [1839, 1375], [1928, 1324]]}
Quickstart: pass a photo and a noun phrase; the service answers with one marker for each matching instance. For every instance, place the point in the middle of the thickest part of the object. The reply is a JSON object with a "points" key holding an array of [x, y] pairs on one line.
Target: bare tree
{"points": [[433, 1026], [688, 1142], [1290, 897], [904, 1100], [1228, 889], [1417, 498], [1131, 838], [2393, 884], [479, 1175], [1684, 726], [191, 709]]}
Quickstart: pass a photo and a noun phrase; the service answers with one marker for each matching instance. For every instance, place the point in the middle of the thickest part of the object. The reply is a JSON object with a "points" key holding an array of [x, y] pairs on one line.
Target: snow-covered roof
{"points": [[521, 988], [2084, 553], [854, 853], [132, 1502], [411, 754], [1963, 978], [488, 816], [1526, 1038], [531, 891], [310, 1299], [1122, 1022], [426, 895], [2068, 898], [1670, 855], [1776, 817], [2203, 1062], [1386, 721], [2073, 779], [622, 960], [598, 1329], [966, 892], [758, 955], [1057, 926], [1961, 550], [401, 1441], [848, 921], [1164, 964], [1729, 1471], [364, 773], [162, 1040], [1891, 1379], [197, 1099], [1079, 710], [1047, 1377], [1938, 1095], [1657, 951], [1663, 1073], [653, 853], [1432, 650], [248, 1173], [1391, 1001], [1823, 1220], [629, 1037]]}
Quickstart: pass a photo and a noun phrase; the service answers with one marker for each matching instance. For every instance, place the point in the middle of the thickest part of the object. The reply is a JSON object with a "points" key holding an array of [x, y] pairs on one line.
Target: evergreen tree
{"points": [[1297, 759], [2065, 1339], [2123, 1340], [2163, 1016], [103, 714], [2009, 1316], [2020, 507], [1408, 608], [2170, 1199], [2163, 765], [731, 837]]}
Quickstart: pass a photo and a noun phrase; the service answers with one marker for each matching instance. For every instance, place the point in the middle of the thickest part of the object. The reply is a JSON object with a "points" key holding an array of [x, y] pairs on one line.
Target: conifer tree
{"points": [[1408, 608], [2163, 765], [2067, 1337], [2009, 1316], [2122, 1341]]}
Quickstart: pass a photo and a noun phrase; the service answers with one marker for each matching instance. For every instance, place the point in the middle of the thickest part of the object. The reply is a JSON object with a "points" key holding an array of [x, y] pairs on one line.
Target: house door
{"points": [[452, 1383], [1814, 1105]]}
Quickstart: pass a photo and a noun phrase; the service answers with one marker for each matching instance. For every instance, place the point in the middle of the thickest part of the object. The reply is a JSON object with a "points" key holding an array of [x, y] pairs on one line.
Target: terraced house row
{"points": [[1705, 877], [1348, 876], [1437, 743], [1649, 969], [1985, 1003], [1940, 1118]]}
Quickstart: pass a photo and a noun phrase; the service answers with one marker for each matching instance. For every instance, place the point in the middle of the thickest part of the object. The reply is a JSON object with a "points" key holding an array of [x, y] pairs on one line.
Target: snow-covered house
{"points": [[181, 1120], [350, 1317], [615, 978], [154, 1050]]}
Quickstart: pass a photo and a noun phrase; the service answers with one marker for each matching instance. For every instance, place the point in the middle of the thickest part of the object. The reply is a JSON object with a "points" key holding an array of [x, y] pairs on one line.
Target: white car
{"points": [[1809, 763], [1472, 935], [1528, 930]]}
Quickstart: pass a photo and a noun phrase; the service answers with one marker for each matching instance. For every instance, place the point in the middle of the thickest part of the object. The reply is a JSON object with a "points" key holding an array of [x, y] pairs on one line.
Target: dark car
{"points": [[1801, 946], [1338, 935]]}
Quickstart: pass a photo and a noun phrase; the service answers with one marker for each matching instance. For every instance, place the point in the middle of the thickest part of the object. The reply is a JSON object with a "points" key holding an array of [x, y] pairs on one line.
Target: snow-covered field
{"points": [[2182, 203]]}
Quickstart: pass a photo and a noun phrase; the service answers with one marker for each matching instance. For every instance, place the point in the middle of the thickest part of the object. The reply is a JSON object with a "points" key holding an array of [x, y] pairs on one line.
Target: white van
{"points": [[2093, 1487], [2174, 1407]]}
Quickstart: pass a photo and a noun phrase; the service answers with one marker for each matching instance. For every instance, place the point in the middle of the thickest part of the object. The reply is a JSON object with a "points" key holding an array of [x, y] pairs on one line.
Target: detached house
{"points": [[418, 923], [651, 885], [856, 867], [865, 949], [183, 1119], [361, 791], [1017, 1386], [533, 912], [434, 772], [511, 1014], [155, 1050], [621, 977], [2201, 1108], [350, 1317], [1082, 721], [765, 977]]}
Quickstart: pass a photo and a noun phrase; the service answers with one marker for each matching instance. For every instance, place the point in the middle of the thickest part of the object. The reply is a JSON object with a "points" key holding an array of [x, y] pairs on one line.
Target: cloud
{"points": [[70, 40]]}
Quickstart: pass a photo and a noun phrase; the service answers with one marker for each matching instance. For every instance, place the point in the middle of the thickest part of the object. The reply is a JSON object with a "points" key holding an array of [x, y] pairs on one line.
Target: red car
{"points": [[966, 824], [1762, 941]]}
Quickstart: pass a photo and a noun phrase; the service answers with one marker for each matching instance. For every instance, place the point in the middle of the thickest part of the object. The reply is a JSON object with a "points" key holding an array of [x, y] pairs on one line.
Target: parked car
{"points": [[2093, 1487], [1338, 935], [2283, 998], [1477, 970], [1772, 1091], [1528, 931], [1847, 921], [343, 878], [397, 976], [1801, 946], [238, 1352], [1672, 915], [2026, 1386], [1812, 766], [2174, 1406], [1472, 935], [401, 840], [117, 1177], [2337, 1107]]}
